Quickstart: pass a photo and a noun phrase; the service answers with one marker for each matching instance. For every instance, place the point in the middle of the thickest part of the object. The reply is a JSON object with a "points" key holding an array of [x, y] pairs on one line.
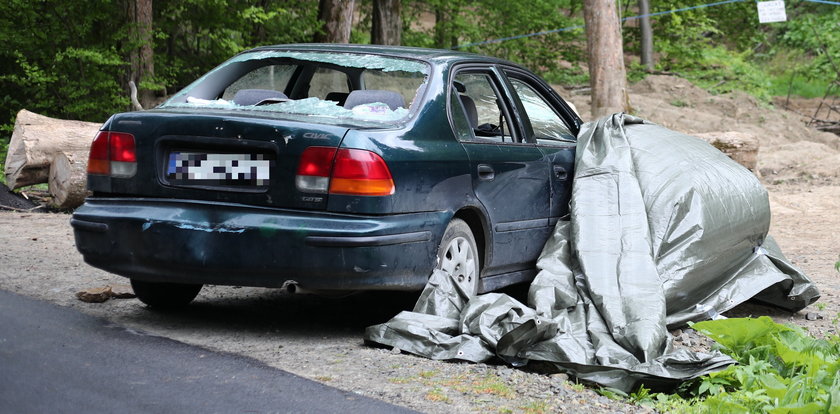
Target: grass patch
{"points": [[437, 395], [798, 85], [535, 407], [428, 374]]}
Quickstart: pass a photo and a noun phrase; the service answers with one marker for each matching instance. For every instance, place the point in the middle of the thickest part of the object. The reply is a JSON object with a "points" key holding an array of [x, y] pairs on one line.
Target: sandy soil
{"points": [[320, 338]]}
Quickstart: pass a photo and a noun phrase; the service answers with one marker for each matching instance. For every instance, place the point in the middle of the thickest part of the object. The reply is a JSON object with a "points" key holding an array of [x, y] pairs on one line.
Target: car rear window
{"points": [[337, 88]]}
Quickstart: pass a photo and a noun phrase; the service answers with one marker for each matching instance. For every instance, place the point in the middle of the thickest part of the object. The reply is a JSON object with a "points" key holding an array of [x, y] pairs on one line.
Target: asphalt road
{"points": [[58, 360]]}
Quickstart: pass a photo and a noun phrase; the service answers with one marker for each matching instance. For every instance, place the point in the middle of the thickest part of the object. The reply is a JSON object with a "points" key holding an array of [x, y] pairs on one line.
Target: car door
{"points": [[509, 175], [552, 125]]}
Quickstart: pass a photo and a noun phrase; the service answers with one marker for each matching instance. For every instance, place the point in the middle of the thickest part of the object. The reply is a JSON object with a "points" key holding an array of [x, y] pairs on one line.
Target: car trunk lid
{"points": [[218, 157]]}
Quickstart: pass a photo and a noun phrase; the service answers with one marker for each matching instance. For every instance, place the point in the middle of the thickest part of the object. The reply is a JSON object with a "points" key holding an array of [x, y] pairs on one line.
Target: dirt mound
{"points": [[789, 150]]}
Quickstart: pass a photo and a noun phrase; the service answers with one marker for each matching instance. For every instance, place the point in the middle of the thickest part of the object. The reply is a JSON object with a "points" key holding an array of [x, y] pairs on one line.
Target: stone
{"points": [[560, 377], [812, 316], [121, 291], [94, 295]]}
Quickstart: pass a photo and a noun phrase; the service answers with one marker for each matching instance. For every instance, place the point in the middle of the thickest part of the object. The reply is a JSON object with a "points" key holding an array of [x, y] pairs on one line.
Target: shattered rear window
{"points": [[310, 85]]}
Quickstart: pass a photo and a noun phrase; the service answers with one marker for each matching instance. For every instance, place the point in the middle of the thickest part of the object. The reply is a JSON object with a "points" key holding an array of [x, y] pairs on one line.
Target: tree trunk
{"points": [[68, 180], [142, 57], [386, 26], [646, 35], [445, 17], [337, 16], [607, 75], [37, 139]]}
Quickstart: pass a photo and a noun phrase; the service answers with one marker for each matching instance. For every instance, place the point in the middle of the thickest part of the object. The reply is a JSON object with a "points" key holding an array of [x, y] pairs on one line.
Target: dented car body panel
{"points": [[227, 192]]}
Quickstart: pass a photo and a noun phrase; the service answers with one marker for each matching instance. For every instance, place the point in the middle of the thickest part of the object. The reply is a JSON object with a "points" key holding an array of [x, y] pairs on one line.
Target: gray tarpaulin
{"points": [[664, 229]]}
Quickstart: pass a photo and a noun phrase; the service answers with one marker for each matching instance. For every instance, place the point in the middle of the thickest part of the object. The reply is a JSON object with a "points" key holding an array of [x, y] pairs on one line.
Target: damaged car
{"points": [[328, 168]]}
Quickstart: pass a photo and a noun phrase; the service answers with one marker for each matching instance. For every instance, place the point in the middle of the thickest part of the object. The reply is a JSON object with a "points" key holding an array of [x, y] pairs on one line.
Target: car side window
{"points": [[548, 127], [326, 80], [480, 104], [270, 77]]}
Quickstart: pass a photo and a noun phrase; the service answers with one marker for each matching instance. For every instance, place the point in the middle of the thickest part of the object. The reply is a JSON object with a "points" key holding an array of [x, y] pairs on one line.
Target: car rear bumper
{"points": [[189, 241]]}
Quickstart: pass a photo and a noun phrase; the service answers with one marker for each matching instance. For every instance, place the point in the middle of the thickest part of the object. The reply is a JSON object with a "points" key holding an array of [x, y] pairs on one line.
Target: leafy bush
{"points": [[781, 369]]}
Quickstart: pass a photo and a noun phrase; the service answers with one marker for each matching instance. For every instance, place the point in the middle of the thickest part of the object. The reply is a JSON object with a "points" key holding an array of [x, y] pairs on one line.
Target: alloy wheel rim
{"points": [[459, 261]]}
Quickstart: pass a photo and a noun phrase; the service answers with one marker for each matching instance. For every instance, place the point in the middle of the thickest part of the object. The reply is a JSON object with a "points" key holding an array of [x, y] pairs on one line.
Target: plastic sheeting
{"points": [[664, 229]]}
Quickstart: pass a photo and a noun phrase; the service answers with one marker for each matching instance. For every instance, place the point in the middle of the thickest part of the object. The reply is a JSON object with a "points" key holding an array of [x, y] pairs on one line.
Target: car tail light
{"points": [[99, 162], [360, 172], [343, 171], [313, 173], [114, 154]]}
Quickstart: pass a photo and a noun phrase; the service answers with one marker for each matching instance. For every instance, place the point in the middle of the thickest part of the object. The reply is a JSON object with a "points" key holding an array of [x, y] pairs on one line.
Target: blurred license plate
{"points": [[201, 168]]}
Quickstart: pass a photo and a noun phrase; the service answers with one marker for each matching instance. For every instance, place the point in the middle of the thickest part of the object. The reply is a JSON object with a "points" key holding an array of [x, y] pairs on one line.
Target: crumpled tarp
{"points": [[664, 229]]}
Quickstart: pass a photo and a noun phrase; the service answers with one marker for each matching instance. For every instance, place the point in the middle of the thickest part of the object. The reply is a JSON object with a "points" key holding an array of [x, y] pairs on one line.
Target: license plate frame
{"points": [[249, 171]]}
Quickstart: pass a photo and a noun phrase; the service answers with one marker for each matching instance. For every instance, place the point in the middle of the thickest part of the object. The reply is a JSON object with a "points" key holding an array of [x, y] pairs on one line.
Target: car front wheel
{"points": [[458, 256], [161, 295]]}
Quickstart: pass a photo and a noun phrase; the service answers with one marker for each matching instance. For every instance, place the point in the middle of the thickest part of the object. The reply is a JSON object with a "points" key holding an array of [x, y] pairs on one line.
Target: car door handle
{"points": [[486, 172], [560, 173]]}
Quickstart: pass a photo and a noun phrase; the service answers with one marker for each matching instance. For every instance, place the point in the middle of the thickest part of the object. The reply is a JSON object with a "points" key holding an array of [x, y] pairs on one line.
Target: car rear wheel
{"points": [[458, 256], [161, 295]]}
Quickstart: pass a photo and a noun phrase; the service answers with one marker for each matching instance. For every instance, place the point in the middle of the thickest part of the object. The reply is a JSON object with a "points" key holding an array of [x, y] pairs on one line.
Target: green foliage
{"points": [[723, 71], [59, 58], [558, 56], [815, 30], [193, 36], [71, 58], [781, 369]]}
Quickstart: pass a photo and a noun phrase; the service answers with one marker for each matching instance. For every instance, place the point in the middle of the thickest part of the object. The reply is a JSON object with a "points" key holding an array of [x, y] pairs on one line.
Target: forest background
{"points": [[73, 59]]}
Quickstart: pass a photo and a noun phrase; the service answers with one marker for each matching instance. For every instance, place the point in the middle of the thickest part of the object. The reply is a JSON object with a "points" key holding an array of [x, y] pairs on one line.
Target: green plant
{"points": [[781, 369]]}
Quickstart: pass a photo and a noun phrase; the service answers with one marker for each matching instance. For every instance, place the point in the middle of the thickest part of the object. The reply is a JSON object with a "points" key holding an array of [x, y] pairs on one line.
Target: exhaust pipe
{"points": [[293, 288], [290, 287]]}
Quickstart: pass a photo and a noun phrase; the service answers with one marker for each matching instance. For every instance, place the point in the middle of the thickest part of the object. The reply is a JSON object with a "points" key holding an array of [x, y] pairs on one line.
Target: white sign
{"points": [[771, 11]]}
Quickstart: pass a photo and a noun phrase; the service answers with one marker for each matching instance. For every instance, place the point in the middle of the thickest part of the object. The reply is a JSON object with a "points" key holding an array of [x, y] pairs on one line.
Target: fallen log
{"points": [[68, 180], [37, 139], [741, 147]]}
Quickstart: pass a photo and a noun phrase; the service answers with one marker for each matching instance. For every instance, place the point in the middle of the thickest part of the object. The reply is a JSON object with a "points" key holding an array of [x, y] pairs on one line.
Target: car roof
{"points": [[435, 56]]}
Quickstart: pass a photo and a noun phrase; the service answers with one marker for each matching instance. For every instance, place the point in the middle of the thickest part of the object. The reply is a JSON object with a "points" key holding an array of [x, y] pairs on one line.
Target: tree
{"points": [[142, 55], [337, 17], [607, 75], [386, 26], [446, 21], [646, 35]]}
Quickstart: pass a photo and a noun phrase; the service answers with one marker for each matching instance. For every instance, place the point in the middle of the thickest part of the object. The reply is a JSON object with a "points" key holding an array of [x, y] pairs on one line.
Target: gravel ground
{"points": [[320, 338]]}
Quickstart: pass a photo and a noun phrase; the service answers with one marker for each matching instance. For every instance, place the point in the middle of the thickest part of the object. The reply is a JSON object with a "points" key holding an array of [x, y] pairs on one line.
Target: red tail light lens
{"points": [[343, 171], [360, 172], [122, 147], [114, 154], [313, 173], [99, 161]]}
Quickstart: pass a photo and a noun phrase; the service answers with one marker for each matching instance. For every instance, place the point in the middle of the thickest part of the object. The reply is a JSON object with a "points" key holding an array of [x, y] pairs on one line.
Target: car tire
{"points": [[161, 295], [458, 255]]}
